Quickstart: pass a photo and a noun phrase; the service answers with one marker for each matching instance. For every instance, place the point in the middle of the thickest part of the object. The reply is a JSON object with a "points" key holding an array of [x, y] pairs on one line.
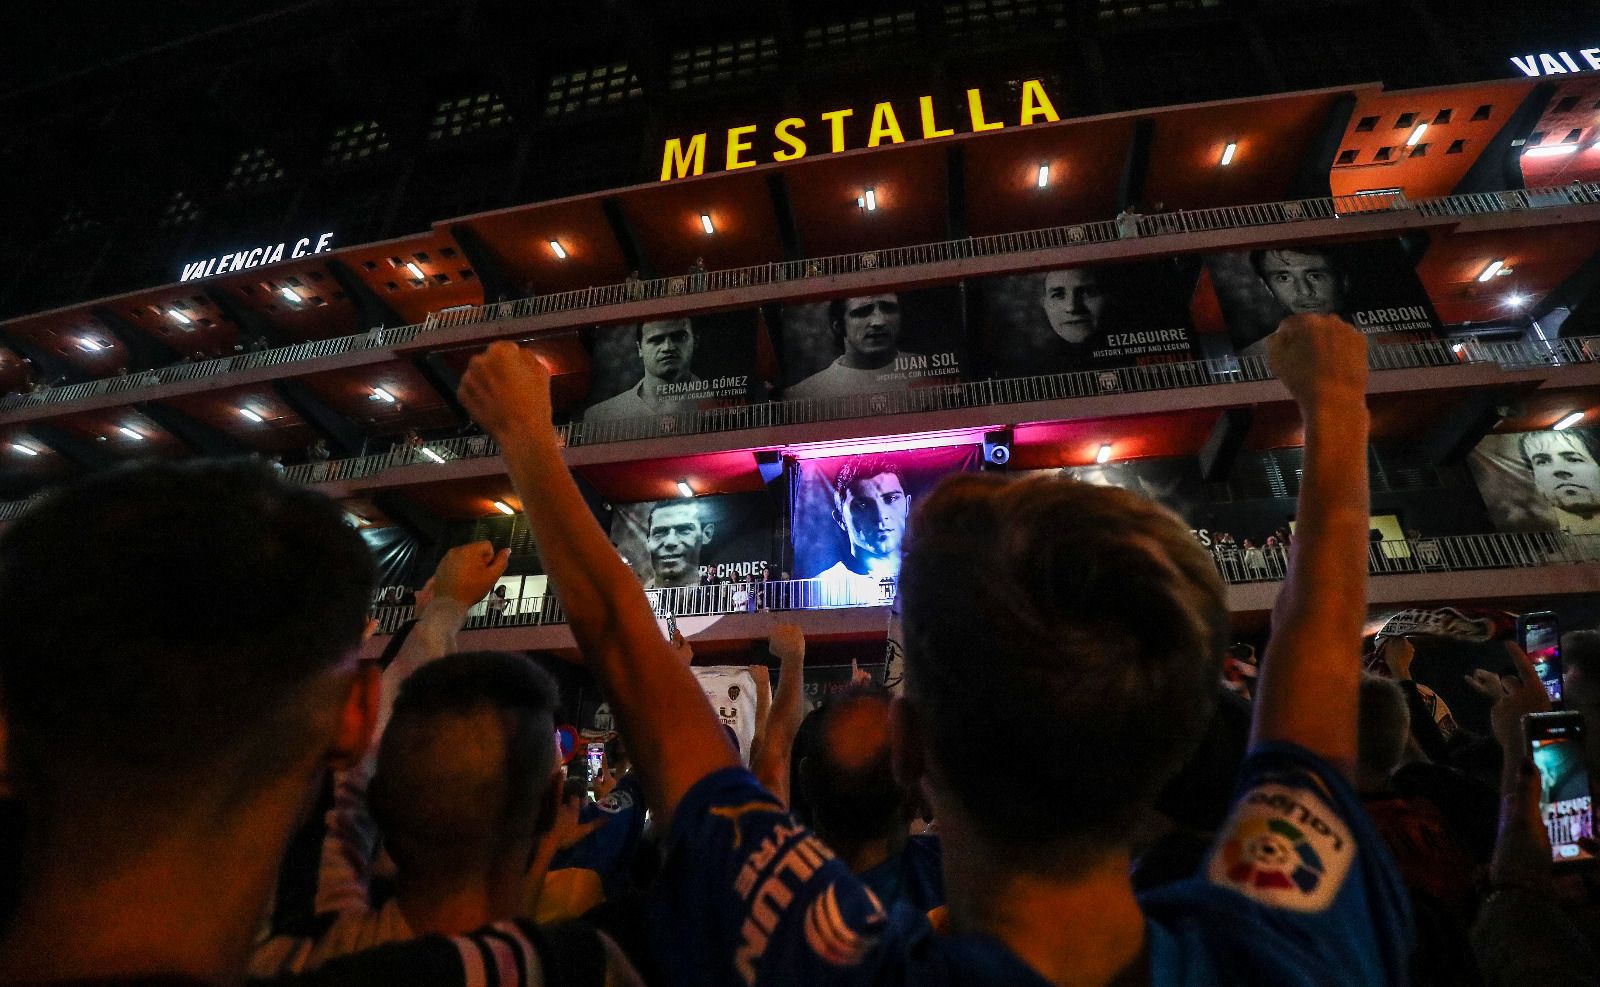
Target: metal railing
{"points": [[682, 286], [949, 397], [1449, 553]]}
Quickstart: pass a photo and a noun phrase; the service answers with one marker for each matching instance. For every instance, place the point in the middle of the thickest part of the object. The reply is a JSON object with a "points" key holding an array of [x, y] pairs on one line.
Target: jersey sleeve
{"points": [[1300, 859], [748, 896]]}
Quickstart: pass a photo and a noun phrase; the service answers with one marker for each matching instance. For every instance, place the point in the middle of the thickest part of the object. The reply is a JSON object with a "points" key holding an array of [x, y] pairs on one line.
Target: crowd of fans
{"points": [[1077, 781]]}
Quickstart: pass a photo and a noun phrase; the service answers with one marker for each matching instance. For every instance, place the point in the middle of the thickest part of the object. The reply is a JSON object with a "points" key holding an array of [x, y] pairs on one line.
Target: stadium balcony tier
{"points": [[746, 340]]}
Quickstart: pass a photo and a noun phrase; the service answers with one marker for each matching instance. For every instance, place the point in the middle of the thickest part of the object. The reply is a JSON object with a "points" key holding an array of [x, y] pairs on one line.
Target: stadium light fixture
{"points": [[1104, 455], [416, 271], [432, 455], [287, 292], [1516, 299], [251, 415], [706, 224], [684, 490], [1228, 152], [1044, 176], [91, 345], [1491, 270], [868, 201], [1569, 421], [1416, 135], [379, 394], [130, 433], [558, 250], [182, 320], [503, 507], [24, 450], [1549, 151]]}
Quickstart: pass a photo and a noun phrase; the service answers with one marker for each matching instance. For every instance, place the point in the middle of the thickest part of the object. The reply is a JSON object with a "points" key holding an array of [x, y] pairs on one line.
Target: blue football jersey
{"points": [[1298, 890]]}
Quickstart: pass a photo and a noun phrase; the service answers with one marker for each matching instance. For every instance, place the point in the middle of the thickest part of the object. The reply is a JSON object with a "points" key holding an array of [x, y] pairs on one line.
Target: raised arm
{"points": [[669, 727], [1310, 674], [776, 744]]}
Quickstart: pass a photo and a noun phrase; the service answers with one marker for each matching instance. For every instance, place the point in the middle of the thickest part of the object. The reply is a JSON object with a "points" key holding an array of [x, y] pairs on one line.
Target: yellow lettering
{"points": [[786, 132], [1035, 103], [975, 104], [836, 117], [678, 161], [884, 124], [930, 126], [736, 145]]}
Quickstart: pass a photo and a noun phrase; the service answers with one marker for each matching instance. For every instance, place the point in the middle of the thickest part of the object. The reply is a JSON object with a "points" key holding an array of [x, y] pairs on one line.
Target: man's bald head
{"points": [[849, 781]]}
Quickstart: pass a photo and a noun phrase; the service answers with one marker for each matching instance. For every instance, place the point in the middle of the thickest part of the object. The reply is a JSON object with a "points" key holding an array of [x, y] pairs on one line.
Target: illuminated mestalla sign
{"points": [[254, 257], [682, 157], [1558, 62]]}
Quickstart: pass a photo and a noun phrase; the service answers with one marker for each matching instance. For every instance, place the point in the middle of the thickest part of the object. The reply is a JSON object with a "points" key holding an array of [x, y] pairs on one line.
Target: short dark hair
{"points": [[1580, 652], [1101, 623], [853, 803], [650, 518], [437, 801], [638, 328], [1258, 257], [837, 307], [161, 622], [1384, 724], [1579, 437], [864, 467]]}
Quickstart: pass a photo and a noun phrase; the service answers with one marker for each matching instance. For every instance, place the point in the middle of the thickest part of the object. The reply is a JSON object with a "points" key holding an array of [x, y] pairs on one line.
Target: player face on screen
{"points": [[1073, 303], [871, 328], [667, 349], [1303, 281], [675, 540], [873, 512], [1564, 471]]}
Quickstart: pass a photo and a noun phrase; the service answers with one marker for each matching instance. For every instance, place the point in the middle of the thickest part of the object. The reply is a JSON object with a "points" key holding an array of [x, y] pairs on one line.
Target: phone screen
{"points": [[596, 752], [1564, 799], [1541, 639]]}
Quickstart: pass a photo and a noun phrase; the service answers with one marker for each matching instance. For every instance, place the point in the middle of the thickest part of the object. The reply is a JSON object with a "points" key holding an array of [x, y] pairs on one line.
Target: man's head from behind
{"points": [[1086, 623], [848, 776], [1302, 280], [467, 772], [1384, 725], [178, 636], [667, 349], [1565, 471]]}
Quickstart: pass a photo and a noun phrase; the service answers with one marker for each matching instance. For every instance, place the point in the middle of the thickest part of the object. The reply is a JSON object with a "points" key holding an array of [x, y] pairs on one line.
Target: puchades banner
{"points": [[1099, 317], [671, 365], [1541, 481], [850, 516], [1372, 284], [872, 344], [696, 541]]}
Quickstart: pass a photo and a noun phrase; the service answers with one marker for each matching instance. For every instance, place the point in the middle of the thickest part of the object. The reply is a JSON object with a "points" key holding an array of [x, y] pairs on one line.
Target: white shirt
{"points": [[632, 403], [837, 380]]}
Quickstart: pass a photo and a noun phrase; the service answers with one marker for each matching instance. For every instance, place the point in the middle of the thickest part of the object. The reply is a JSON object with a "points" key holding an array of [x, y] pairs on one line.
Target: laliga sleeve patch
{"points": [[1285, 848]]}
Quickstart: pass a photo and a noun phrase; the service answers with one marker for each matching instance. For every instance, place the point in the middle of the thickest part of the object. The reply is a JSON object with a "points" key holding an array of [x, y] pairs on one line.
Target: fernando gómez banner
{"points": [[671, 365]]}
